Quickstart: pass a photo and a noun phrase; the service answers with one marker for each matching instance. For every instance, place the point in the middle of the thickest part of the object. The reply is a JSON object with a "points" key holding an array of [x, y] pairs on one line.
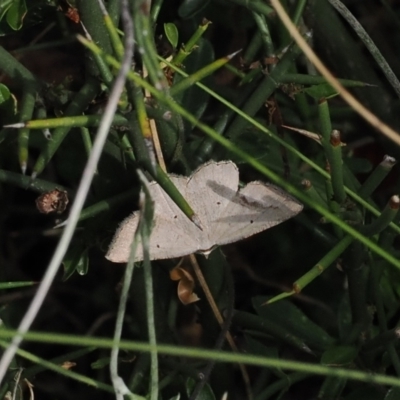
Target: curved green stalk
{"points": [[199, 75], [25, 182], [60, 370], [204, 354], [263, 30], [377, 176], [145, 44], [383, 221], [87, 140]]}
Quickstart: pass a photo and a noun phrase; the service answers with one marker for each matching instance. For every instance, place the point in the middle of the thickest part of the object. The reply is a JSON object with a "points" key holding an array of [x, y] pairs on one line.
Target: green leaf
{"points": [[339, 356], [82, 266], [4, 94], [171, 32], [100, 363], [8, 103], [16, 14], [4, 7], [76, 259], [323, 91], [254, 346], [287, 315], [8, 106]]}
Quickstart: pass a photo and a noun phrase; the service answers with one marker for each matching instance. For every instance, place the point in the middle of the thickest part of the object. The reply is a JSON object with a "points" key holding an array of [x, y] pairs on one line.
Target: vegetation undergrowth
{"points": [[97, 99]]}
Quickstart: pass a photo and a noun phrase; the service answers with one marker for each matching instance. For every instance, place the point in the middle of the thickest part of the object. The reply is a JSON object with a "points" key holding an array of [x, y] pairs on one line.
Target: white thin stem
{"points": [[119, 385], [76, 209]]}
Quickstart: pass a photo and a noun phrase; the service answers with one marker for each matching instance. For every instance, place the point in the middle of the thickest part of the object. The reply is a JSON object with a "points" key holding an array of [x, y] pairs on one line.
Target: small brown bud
{"points": [[54, 201], [394, 202], [335, 138]]}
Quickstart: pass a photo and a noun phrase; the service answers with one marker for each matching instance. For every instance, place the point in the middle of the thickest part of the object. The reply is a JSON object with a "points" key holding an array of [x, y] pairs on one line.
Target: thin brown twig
{"points": [[220, 320], [154, 133], [347, 97]]}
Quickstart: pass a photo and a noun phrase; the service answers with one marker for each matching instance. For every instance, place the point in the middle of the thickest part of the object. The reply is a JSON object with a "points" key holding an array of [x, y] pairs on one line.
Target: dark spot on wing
{"points": [[158, 246], [260, 207], [175, 216], [255, 204], [236, 197], [218, 203]]}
